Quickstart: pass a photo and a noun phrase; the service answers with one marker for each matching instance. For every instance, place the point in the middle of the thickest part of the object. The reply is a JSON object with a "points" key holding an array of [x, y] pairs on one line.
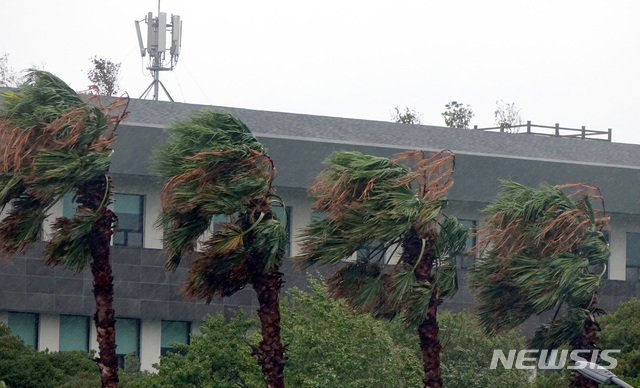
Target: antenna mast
{"points": [[157, 46]]}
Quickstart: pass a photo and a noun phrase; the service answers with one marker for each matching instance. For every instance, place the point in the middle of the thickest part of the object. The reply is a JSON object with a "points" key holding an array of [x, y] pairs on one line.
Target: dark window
{"points": [[466, 259], [130, 211], [372, 251], [68, 205], [173, 332], [25, 326], [633, 256], [74, 333]]}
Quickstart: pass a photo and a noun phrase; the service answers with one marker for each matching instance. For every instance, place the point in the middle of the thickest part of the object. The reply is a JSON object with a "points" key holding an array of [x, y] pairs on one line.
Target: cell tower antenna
{"points": [[157, 46]]}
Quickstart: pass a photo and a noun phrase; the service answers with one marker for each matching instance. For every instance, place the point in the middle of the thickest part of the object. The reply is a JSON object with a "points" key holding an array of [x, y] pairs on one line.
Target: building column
{"points": [[49, 332], [150, 342]]}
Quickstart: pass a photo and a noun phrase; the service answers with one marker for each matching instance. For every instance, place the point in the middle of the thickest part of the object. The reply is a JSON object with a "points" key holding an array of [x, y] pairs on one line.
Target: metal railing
{"points": [[556, 130]]}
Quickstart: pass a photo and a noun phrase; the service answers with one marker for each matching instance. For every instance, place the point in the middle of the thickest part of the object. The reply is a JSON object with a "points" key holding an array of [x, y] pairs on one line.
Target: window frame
{"points": [[632, 265], [164, 350], [121, 356], [88, 332], [125, 231], [36, 334]]}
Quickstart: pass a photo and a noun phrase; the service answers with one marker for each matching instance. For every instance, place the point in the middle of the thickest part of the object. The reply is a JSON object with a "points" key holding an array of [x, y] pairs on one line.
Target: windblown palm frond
{"points": [[51, 143], [539, 250], [373, 199], [375, 202], [213, 165]]}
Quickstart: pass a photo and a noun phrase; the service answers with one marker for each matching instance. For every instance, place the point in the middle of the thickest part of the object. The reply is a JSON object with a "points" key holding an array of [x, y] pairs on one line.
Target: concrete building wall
{"points": [[143, 290]]}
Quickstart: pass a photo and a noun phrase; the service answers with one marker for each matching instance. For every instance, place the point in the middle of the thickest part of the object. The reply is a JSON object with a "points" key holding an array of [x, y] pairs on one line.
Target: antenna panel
{"points": [[162, 32], [143, 51], [152, 41], [176, 34]]}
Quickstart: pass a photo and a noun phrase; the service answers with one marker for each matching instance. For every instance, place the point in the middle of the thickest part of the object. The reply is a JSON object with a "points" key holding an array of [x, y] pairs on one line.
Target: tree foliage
{"points": [[542, 251], [213, 165], [538, 249], [507, 116], [23, 366], [52, 142], [331, 346], [373, 199], [104, 75], [457, 115], [376, 207], [8, 77], [408, 116], [622, 331]]}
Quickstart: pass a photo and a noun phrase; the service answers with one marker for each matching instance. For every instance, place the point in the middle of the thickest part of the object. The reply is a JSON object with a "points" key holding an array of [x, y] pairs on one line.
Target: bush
{"points": [[329, 346], [621, 330], [23, 366]]}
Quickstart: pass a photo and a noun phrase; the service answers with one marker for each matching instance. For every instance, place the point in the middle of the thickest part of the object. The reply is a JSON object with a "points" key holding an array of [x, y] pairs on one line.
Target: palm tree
{"points": [[213, 165], [540, 251], [52, 143], [381, 204]]}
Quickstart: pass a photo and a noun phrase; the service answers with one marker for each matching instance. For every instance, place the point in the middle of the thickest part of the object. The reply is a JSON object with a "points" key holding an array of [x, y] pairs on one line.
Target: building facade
{"points": [[50, 308]]}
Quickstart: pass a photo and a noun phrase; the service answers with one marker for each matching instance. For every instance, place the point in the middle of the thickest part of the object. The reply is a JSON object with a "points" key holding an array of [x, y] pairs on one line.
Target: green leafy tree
{"points": [[23, 366], [55, 143], [375, 207], [539, 250], [467, 354], [8, 77], [327, 347], [330, 346], [213, 165], [104, 76], [408, 116], [507, 116], [622, 331], [457, 115]]}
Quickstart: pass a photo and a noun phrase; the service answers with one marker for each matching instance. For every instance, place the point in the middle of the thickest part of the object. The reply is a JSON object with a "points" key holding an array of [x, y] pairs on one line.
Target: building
{"points": [[52, 309]]}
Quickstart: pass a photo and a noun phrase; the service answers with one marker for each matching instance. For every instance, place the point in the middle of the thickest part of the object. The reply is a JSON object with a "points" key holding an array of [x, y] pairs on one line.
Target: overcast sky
{"points": [[571, 62]]}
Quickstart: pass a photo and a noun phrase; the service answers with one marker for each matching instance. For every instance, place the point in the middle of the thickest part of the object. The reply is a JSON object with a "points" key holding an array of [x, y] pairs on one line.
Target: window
{"points": [[173, 331], [25, 326], [68, 205], [127, 338], [74, 333], [130, 211], [218, 219], [467, 259], [633, 256], [372, 251], [279, 212]]}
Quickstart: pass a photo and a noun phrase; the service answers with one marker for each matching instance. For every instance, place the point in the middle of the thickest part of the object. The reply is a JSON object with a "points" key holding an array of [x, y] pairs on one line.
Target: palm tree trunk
{"points": [[585, 340], [427, 330], [271, 351], [93, 195], [430, 344]]}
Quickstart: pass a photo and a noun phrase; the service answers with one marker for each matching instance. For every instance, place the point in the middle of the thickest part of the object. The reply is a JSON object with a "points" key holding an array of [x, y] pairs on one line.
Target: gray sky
{"points": [[571, 62]]}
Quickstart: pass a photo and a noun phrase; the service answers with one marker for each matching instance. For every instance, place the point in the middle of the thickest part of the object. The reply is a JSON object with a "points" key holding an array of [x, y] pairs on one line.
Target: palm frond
{"points": [[51, 142], [213, 165], [69, 244], [538, 250]]}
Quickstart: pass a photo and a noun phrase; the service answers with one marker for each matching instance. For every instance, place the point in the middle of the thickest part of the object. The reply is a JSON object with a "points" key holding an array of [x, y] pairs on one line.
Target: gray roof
{"points": [[400, 136]]}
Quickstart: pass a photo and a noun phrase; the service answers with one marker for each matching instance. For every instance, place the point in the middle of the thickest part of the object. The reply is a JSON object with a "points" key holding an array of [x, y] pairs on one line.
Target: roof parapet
{"points": [[556, 131]]}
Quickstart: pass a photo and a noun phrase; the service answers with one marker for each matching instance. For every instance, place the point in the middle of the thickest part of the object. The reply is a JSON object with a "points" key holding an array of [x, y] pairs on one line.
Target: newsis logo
{"points": [[549, 359]]}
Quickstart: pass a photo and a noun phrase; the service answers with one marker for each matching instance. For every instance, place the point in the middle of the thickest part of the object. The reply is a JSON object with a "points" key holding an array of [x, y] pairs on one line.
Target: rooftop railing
{"points": [[556, 130]]}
